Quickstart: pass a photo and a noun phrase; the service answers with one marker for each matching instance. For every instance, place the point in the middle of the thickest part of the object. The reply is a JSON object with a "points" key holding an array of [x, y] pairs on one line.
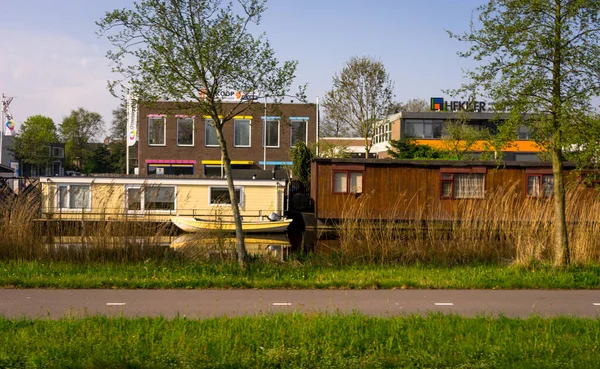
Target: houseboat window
{"points": [[210, 138], [347, 182], [463, 185], [540, 185], [73, 196], [220, 195], [241, 132], [299, 129], [272, 133], [185, 132], [157, 130], [134, 198], [159, 198]]}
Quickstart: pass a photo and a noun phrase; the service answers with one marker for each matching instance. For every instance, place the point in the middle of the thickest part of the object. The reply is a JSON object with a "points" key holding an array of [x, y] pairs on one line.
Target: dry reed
{"points": [[503, 228]]}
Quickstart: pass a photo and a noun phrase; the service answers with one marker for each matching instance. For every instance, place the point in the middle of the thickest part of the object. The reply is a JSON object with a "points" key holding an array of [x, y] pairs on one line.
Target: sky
{"points": [[52, 61]]}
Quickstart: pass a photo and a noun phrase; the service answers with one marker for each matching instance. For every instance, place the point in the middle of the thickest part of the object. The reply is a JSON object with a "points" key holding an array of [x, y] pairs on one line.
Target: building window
{"points": [[73, 197], [463, 183], [139, 198], [58, 152], [241, 132], [170, 169], [210, 132], [523, 133], [271, 133], [347, 181], [220, 196], [157, 131], [185, 132], [540, 185], [423, 128], [299, 131]]}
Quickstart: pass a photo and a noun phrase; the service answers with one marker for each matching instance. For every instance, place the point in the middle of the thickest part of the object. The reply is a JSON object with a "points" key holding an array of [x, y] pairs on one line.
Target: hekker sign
{"points": [[438, 104]]}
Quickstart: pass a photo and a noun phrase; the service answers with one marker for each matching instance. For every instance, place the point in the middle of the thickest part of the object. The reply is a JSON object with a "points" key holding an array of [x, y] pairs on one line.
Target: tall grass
{"points": [[26, 237], [502, 228]]}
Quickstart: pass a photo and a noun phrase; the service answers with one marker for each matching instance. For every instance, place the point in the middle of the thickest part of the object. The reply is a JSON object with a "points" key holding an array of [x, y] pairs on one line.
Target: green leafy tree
{"points": [[407, 148], [542, 58], [301, 156], [361, 97], [77, 130], [31, 145], [191, 50], [461, 140], [100, 160]]}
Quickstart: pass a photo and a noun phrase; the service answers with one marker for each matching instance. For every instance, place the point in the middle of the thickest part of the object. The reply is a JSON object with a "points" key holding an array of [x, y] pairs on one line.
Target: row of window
{"points": [[434, 128], [139, 198], [452, 185], [157, 131]]}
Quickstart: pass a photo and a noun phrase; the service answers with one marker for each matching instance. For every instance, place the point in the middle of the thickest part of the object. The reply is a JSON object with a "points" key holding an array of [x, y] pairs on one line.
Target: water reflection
{"points": [[193, 245]]}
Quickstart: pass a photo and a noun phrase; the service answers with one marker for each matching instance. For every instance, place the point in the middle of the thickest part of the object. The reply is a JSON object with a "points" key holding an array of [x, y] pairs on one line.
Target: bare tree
{"points": [[192, 51], [416, 105], [360, 97]]}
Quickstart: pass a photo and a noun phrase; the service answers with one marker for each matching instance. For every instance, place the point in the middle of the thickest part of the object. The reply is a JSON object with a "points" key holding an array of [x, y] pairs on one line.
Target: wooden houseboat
{"points": [[434, 189], [156, 199]]}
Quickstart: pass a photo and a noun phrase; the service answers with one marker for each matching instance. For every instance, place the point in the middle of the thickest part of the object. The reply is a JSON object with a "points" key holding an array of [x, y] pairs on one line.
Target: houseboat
{"points": [[157, 199], [438, 189]]}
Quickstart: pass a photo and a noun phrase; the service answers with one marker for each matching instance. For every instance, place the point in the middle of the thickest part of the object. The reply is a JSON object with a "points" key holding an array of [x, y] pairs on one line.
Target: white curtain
{"points": [[468, 186]]}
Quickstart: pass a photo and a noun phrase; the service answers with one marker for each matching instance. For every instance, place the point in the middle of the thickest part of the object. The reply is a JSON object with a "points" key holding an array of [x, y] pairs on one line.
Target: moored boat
{"points": [[192, 224]]}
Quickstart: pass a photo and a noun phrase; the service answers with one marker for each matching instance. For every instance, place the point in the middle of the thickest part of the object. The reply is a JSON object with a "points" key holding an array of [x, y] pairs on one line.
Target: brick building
{"points": [[172, 142]]}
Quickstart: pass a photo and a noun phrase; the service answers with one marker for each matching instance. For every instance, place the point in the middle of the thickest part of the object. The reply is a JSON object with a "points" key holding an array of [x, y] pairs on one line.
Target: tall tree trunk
{"points": [[561, 238], [242, 254]]}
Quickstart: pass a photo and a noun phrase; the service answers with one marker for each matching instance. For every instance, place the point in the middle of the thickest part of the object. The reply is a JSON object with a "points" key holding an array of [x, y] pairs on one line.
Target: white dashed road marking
{"points": [[444, 304], [115, 303], [596, 303], [282, 303]]}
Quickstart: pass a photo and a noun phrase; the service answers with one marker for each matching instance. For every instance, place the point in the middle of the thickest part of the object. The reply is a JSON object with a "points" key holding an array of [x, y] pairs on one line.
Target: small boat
{"points": [[192, 224]]}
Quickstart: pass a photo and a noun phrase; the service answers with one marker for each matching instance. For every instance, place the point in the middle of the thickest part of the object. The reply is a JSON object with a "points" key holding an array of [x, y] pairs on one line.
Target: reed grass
{"points": [[504, 228], [300, 341]]}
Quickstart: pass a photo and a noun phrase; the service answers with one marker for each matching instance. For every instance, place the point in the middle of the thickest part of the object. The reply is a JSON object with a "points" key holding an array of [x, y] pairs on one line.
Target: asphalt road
{"points": [[53, 304]]}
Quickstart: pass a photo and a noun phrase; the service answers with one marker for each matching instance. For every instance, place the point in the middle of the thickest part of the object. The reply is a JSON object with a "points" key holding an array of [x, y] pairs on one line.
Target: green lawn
{"points": [[292, 274], [300, 341]]}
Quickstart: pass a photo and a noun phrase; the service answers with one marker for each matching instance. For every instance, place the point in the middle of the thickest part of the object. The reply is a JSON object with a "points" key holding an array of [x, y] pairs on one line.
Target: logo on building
{"points": [[437, 103]]}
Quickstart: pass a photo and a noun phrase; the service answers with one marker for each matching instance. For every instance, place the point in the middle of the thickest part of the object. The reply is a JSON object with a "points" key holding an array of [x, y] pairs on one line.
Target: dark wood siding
{"points": [[407, 190]]}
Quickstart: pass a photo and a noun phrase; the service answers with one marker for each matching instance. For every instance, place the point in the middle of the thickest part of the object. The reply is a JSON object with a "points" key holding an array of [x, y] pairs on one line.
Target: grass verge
{"points": [[184, 274], [300, 341]]}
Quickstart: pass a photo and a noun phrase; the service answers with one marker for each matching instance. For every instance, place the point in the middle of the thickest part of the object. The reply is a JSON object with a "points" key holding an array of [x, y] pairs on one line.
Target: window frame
{"points": [[540, 173], [61, 150], [265, 121], [68, 199], [241, 199], [249, 131], [164, 119], [143, 209], [296, 120], [348, 170], [207, 122], [452, 179], [193, 131]]}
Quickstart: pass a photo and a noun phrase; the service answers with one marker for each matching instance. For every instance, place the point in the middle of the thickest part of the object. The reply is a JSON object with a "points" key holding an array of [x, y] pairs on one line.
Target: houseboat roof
{"points": [[442, 163]]}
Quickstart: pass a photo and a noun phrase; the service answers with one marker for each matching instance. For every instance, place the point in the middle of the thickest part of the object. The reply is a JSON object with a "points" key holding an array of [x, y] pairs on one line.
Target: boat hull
{"points": [[191, 224]]}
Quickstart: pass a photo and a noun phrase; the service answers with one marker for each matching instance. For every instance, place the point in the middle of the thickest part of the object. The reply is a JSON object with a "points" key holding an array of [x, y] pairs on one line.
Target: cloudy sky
{"points": [[52, 61]]}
